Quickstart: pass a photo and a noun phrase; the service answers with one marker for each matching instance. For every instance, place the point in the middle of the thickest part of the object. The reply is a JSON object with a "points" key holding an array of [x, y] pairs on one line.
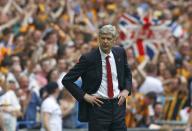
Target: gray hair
{"points": [[108, 29]]}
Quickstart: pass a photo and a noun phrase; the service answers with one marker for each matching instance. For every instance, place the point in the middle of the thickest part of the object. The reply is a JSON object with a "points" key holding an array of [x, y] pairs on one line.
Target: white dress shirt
{"points": [[102, 92]]}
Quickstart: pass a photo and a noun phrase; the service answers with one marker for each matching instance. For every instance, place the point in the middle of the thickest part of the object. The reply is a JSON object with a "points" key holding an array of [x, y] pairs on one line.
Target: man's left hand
{"points": [[122, 96]]}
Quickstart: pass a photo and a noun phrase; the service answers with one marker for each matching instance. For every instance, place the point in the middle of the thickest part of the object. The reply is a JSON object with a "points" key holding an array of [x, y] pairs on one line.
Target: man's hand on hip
{"points": [[122, 96], [93, 100]]}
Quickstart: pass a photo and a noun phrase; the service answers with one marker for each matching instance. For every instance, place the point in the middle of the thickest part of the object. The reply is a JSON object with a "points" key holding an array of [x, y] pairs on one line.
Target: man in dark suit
{"points": [[106, 82]]}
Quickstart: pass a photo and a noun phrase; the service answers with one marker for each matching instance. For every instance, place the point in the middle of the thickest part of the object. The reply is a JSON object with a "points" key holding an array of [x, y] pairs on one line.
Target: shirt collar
{"points": [[103, 55]]}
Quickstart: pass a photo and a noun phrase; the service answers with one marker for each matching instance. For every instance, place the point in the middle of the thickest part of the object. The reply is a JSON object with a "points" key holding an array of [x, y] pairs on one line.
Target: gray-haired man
{"points": [[107, 81]]}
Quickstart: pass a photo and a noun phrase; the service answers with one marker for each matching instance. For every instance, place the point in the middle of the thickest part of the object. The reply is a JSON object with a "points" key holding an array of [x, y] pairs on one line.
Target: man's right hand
{"points": [[93, 100]]}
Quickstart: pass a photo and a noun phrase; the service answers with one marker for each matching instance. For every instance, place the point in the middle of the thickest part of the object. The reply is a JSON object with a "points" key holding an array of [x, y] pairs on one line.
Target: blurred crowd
{"points": [[40, 40]]}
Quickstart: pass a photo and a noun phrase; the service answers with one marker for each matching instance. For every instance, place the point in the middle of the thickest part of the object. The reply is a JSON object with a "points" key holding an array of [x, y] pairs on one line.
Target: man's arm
{"points": [[46, 117], [1, 121], [128, 74], [69, 79], [128, 81]]}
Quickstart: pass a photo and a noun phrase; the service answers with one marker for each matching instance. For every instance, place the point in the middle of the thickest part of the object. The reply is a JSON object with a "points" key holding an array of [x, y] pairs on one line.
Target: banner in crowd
{"points": [[141, 33]]}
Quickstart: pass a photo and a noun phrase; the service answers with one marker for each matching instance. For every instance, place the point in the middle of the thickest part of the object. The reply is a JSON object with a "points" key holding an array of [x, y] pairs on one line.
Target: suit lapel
{"points": [[117, 61], [99, 64]]}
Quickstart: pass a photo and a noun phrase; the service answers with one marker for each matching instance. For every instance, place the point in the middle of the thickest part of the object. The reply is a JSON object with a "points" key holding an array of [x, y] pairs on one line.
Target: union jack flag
{"points": [[143, 31]]}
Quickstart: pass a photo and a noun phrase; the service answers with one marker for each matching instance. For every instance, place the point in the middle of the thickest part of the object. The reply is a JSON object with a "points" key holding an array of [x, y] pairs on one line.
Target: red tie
{"points": [[109, 78]]}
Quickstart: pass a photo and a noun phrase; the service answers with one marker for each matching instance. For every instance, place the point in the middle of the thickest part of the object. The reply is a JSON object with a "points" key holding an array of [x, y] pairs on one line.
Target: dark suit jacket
{"points": [[89, 68]]}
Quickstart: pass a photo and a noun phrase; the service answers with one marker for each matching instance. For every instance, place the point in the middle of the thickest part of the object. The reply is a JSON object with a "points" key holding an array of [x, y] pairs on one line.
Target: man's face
{"points": [[24, 83], [158, 108], [106, 42], [62, 64]]}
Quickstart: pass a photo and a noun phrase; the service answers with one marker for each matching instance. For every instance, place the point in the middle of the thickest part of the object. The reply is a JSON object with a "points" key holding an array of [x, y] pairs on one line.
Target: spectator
{"points": [[9, 107], [62, 68], [53, 75], [158, 112], [50, 110], [189, 123], [151, 83], [69, 109], [137, 108], [175, 98], [29, 100], [1, 122]]}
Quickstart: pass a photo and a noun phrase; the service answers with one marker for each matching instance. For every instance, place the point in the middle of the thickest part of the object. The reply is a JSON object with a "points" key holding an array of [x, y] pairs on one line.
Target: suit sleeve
{"points": [[69, 79], [128, 75]]}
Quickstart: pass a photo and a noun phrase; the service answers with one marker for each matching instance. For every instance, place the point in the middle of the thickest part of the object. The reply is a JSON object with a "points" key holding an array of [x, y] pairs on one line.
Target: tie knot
{"points": [[107, 57]]}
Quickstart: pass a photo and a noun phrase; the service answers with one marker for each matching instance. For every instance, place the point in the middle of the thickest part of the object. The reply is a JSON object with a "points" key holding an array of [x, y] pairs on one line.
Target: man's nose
{"points": [[105, 40]]}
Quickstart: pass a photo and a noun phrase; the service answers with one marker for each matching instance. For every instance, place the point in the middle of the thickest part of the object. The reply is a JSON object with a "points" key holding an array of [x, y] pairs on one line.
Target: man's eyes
{"points": [[107, 39]]}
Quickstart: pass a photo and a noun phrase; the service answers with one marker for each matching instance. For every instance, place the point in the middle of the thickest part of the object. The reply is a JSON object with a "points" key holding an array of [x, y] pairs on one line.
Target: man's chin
{"points": [[106, 51]]}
